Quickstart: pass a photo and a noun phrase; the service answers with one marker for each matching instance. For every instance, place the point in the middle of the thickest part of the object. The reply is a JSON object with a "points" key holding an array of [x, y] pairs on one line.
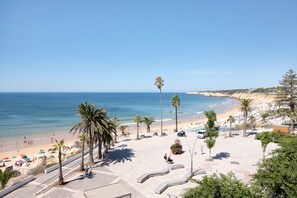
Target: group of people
{"points": [[88, 171], [168, 159]]}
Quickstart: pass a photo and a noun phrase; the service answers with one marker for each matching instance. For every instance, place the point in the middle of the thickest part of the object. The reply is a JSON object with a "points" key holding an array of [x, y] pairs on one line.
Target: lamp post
{"points": [[192, 152]]}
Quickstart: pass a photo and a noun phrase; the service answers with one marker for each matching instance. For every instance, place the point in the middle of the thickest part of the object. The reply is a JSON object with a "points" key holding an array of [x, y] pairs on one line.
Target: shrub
{"points": [[37, 170], [176, 148]]}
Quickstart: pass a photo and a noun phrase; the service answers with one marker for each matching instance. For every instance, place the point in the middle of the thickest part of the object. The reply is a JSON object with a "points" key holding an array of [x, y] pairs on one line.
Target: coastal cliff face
{"points": [[237, 95]]}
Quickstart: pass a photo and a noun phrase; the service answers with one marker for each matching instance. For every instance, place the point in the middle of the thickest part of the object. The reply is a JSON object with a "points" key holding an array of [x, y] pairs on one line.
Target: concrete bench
{"points": [[162, 187], [234, 162], [146, 176], [176, 166]]}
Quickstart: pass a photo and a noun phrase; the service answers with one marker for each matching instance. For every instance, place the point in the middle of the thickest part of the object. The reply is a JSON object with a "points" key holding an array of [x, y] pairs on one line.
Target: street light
{"points": [[192, 152]]}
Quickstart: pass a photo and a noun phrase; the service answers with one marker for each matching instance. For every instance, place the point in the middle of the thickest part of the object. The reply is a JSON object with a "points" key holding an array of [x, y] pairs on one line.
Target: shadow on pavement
{"points": [[118, 156], [80, 177], [221, 155]]}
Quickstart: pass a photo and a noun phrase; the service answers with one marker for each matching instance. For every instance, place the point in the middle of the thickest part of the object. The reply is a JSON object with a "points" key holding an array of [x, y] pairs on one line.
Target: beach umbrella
{"points": [[27, 159], [23, 155], [5, 158]]}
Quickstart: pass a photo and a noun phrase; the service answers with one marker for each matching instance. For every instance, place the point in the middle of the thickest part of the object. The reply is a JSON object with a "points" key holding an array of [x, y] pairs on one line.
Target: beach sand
{"points": [[44, 142]]}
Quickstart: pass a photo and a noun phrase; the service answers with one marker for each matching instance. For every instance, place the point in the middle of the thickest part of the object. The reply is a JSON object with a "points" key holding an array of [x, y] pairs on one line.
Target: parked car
{"points": [[181, 134], [201, 133]]}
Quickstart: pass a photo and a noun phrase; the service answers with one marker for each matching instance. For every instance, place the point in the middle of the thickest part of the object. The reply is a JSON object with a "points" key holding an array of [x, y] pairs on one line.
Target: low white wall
{"points": [[16, 185]]}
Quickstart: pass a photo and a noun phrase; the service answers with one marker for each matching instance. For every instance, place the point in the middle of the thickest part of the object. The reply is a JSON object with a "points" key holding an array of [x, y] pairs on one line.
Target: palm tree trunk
{"points": [[137, 131], [91, 157], [99, 148], [209, 154], [176, 128], [148, 128], [244, 125], [230, 135], [61, 180], [115, 138], [161, 112], [82, 156]]}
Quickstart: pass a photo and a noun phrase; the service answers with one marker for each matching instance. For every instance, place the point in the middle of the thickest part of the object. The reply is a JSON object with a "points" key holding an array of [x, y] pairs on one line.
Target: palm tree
{"points": [[58, 147], [265, 138], [87, 125], [175, 102], [148, 121], [82, 138], [264, 115], [231, 120], [245, 108], [123, 128], [138, 120], [159, 82], [4, 177], [104, 130], [252, 120], [116, 124]]}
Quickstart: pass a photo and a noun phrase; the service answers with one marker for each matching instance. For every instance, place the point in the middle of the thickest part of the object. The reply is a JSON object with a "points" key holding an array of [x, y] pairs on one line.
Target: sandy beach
{"points": [[45, 142]]}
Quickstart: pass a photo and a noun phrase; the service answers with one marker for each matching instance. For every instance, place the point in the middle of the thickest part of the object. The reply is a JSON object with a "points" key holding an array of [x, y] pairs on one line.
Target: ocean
{"points": [[23, 114]]}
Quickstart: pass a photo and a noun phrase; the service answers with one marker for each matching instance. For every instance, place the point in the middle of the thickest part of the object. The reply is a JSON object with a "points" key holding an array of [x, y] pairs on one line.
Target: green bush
{"points": [[176, 148], [37, 170], [278, 137]]}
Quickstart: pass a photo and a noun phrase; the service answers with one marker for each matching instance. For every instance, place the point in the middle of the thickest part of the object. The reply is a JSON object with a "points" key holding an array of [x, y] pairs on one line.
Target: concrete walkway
{"points": [[130, 159]]}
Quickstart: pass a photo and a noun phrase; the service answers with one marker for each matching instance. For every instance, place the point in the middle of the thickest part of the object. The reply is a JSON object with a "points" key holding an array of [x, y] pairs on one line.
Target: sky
{"points": [[123, 45]]}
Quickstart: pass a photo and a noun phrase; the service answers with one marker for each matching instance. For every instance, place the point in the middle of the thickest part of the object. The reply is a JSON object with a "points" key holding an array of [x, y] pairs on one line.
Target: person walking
{"points": [[201, 149]]}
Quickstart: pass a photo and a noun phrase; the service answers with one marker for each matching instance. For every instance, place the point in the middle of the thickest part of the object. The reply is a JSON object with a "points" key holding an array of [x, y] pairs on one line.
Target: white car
{"points": [[201, 133]]}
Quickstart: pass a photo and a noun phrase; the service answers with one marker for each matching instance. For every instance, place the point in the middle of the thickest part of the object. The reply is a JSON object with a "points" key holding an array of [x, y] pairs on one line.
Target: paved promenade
{"points": [[130, 159]]}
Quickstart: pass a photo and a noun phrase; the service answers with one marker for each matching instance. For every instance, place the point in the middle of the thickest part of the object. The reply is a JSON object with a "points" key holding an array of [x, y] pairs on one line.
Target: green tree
{"points": [[4, 178], [210, 140], [231, 120], [277, 175], [211, 131], [245, 107], [159, 82], [219, 186], [104, 130], [59, 146], [87, 125], [138, 120], [264, 116], [123, 128], [287, 91], [265, 138], [211, 118], [148, 121], [175, 102], [252, 120]]}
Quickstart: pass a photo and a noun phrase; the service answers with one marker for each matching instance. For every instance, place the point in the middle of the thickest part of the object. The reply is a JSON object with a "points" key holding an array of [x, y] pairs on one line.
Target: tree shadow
{"points": [[80, 177], [118, 155], [221, 155]]}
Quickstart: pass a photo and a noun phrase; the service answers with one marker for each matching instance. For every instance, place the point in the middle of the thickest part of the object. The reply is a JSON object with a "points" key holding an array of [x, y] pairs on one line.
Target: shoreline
{"points": [[20, 142], [16, 146]]}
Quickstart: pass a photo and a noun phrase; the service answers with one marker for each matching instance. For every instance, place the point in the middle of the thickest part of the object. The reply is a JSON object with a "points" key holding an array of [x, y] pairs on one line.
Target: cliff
{"points": [[237, 95]]}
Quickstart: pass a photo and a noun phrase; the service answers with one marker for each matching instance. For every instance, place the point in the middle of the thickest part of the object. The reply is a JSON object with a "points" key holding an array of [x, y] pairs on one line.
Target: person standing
{"points": [[201, 149]]}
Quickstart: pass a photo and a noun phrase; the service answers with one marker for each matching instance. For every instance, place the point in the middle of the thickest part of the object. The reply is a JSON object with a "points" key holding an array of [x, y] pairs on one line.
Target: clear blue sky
{"points": [[123, 45]]}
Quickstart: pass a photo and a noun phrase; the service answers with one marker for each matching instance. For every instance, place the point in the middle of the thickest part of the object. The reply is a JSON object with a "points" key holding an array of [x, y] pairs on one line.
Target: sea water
{"points": [[23, 114]]}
